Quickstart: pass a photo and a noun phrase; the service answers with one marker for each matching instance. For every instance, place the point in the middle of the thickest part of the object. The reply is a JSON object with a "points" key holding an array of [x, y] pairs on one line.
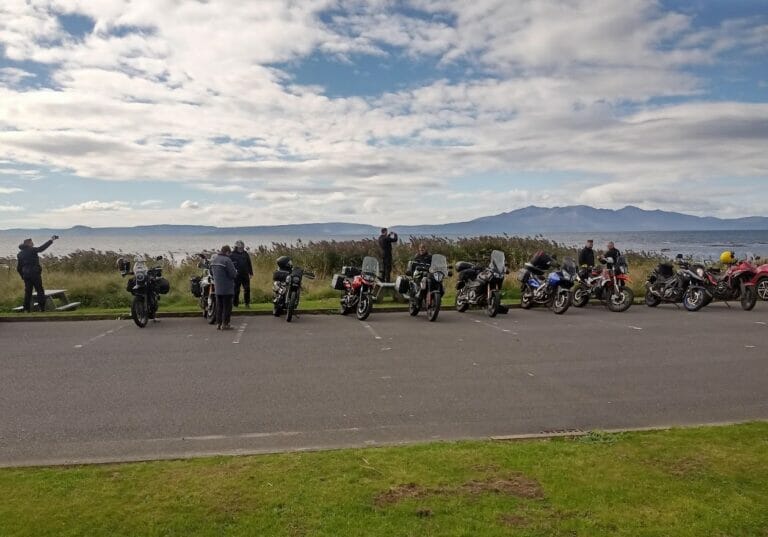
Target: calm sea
{"points": [[699, 244]]}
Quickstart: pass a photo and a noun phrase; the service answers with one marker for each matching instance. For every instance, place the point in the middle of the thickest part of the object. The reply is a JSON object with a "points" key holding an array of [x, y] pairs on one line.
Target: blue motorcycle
{"points": [[552, 290]]}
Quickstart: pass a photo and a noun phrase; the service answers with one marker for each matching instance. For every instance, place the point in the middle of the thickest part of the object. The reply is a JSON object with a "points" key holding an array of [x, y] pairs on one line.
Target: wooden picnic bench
{"points": [[55, 300]]}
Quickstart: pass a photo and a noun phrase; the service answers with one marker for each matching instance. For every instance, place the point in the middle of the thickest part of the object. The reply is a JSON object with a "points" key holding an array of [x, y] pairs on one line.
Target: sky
{"points": [[230, 113]]}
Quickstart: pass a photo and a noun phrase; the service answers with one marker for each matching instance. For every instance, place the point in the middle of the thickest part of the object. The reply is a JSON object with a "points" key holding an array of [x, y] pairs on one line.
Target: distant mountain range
{"points": [[526, 221]]}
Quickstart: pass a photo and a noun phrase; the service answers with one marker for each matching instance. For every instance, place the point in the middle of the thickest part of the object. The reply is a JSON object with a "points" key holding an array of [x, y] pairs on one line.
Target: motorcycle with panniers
{"points": [[665, 284], [146, 285], [286, 287], [480, 285], [735, 283], [423, 286], [552, 290], [609, 284], [204, 289], [358, 286]]}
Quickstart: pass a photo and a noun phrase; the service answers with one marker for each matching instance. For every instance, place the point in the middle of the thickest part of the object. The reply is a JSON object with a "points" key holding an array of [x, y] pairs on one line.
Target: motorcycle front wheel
{"points": [[461, 303], [651, 300], [433, 308], [210, 309], [526, 300], [493, 304], [694, 298], [762, 288], [580, 297], [413, 307], [748, 298], [364, 306], [561, 302], [139, 311], [620, 299], [290, 305]]}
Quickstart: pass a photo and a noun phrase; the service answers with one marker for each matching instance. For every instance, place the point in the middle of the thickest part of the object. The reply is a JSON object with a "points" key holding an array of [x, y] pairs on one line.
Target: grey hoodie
{"points": [[224, 273]]}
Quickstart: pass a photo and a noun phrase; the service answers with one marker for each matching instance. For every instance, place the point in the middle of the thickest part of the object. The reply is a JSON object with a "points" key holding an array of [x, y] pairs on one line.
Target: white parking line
{"points": [[100, 336], [371, 330], [240, 332]]}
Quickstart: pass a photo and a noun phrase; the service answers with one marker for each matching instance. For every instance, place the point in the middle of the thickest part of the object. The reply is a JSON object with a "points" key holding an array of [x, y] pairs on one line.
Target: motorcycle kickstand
{"points": [[726, 303]]}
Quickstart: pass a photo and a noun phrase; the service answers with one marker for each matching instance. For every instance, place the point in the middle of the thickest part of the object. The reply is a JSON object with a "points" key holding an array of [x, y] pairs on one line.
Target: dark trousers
{"points": [[386, 269], [35, 282], [243, 280], [223, 309]]}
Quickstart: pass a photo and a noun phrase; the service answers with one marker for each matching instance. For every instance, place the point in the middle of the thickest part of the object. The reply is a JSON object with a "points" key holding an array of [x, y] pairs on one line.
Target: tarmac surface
{"points": [[98, 391]]}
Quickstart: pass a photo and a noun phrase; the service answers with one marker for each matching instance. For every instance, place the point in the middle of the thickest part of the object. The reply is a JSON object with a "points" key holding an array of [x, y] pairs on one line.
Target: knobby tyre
{"points": [[620, 300], [580, 297]]}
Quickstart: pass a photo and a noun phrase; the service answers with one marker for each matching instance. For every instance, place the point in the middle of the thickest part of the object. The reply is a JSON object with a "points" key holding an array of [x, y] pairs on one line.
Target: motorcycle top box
{"points": [[463, 265], [666, 270], [337, 282], [350, 272], [280, 275]]}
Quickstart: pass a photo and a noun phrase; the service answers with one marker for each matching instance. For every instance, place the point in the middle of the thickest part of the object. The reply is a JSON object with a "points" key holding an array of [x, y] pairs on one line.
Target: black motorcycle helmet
{"points": [[284, 263]]}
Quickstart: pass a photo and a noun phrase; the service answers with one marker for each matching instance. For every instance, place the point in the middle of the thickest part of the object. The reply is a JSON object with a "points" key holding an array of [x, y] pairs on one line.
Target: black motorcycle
{"points": [[286, 288], [424, 288], [204, 289], [480, 285], [552, 290], [665, 284], [146, 286]]}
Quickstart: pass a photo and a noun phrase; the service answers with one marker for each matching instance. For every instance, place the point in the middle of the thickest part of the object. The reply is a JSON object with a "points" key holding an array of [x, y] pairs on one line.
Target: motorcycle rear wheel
{"points": [[748, 298], [620, 301], [413, 307], [210, 309], [694, 298], [139, 311], [762, 288], [526, 301], [461, 305], [364, 307], [433, 309], [580, 297], [651, 300], [561, 302]]}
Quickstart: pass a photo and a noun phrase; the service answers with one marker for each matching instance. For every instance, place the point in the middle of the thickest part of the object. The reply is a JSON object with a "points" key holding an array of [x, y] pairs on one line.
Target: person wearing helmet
{"points": [[224, 273], [242, 261], [728, 257]]}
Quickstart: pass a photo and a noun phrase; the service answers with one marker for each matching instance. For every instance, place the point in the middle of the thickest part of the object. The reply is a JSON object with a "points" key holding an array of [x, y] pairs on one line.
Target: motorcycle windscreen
{"points": [[569, 266], [439, 264], [498, 261], [370, 265]]}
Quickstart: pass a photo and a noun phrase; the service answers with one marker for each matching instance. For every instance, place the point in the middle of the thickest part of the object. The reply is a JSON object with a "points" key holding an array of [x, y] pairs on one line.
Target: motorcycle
{"points": [[286, 291], [735, 284], [146, 286], [204, 289], [552, 290], [608, 285], [425, 289], [480, 285], [358, 286], [761, 279], [665, 284]]}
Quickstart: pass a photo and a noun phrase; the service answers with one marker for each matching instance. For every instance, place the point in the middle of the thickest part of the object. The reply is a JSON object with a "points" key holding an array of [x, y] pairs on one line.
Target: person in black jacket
{"points": [[30, 270], [242, 261], [587, 255], [423, 257], [612, 252], [386, 239]]}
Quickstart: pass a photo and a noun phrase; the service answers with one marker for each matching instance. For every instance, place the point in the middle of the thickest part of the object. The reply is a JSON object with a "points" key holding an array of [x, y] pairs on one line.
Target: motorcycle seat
{"points": [[534, 269]]}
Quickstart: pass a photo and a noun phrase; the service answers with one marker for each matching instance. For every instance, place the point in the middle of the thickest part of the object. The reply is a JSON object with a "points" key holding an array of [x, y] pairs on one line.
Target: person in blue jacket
{"points": [[224, 273]]}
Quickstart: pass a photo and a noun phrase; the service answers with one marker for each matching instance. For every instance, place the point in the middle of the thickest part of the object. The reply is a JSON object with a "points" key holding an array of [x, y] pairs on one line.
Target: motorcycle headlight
{"points": [[439, 276], [296, 280], [140, 277], [700, 272]]}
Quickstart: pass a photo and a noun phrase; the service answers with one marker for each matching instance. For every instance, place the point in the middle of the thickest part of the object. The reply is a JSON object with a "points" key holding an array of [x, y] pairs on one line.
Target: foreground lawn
{"points": [[706, 481]]}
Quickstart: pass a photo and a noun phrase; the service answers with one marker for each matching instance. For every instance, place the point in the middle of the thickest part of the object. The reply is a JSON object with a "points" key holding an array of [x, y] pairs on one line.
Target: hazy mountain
{"points": [[529, 220]]}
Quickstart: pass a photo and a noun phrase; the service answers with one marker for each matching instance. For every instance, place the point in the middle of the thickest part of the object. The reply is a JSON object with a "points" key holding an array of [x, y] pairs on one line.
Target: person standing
{"points": [[386, 239], [612, 252], [242, 261], [587, 255], [29, 268], [224, 274]]}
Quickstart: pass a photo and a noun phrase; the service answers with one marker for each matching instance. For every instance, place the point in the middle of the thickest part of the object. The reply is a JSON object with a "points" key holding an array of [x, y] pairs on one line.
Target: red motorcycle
{"points": [[609, 285], [761, 281], [358, 286], [736, 283]]}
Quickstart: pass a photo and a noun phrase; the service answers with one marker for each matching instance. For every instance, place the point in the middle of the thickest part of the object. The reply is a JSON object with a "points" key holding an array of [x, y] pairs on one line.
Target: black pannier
{"points": [[350, 272], [163, 286], [463, 265], [402, 285], [666, 270], [130, 284], [337, 282], [195, 287], [468, 274], [542, 261], [280, 275]]}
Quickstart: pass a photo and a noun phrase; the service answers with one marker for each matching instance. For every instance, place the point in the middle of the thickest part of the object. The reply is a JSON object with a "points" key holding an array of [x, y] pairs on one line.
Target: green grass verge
{"points": [[710, 481]]}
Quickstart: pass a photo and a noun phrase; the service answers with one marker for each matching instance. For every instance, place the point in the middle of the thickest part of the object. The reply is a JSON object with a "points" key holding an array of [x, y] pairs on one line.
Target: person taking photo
{"points": [[30, 270]]}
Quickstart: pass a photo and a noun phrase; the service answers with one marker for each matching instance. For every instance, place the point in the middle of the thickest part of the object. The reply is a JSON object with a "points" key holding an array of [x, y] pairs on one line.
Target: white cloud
{"points": [[150, 203], [10, 190], [11, 208], [95, 206], [189, 205]]}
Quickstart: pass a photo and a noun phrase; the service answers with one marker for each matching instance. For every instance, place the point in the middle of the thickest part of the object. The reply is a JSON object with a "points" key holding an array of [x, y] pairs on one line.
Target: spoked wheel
{"points": [[290, 306], [461, 304], [762, 288], [494, 302], [580, 297], [561, 302], [210, 309], [748, 298], [139, 311], [364, 306], [694, 298], [433, 308], [651, 300], [620, 299]]}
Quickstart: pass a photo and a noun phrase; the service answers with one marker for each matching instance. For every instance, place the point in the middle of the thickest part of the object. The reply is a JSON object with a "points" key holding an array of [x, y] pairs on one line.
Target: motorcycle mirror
{"points": [[679, 256]]}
